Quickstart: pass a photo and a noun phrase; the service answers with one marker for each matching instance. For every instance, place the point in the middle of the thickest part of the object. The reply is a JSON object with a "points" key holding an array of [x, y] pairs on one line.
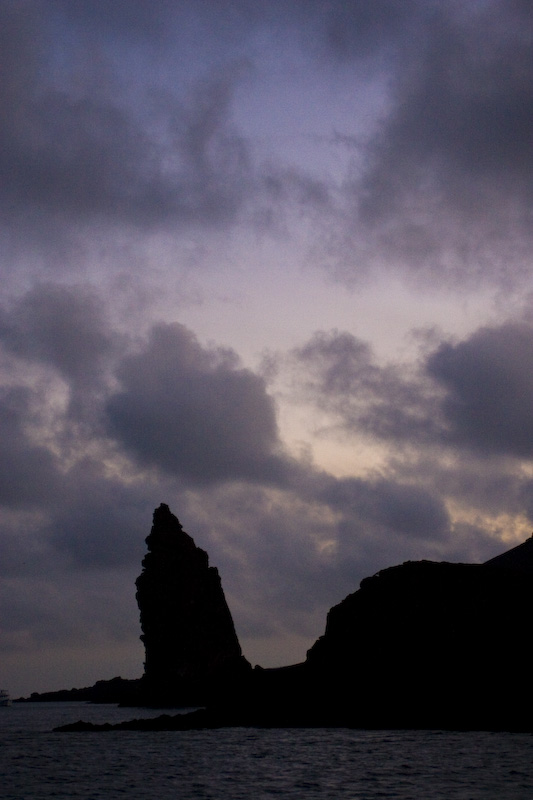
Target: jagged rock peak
{"points": [[188, 631], [164, 518], [519, 557], [167, 531]]}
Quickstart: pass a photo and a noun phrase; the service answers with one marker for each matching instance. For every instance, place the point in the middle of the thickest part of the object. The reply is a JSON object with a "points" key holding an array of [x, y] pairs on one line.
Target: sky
{"points": [[269, 264]]}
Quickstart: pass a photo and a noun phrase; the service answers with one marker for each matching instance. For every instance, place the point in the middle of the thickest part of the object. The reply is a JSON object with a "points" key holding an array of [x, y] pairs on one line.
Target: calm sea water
{"points": [[231, 764]]}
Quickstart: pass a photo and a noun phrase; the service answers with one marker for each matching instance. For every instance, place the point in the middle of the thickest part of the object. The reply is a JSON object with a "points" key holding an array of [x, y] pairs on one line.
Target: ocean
{"points": [[235, 763]]}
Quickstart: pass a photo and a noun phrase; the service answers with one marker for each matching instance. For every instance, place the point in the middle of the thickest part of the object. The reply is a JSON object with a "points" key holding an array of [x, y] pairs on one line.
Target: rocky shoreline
{"points": [[419, 645]]}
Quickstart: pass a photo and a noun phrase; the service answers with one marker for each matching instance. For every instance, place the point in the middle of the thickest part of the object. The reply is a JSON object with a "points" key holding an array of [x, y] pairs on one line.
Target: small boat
{"points": [[5, 700]]}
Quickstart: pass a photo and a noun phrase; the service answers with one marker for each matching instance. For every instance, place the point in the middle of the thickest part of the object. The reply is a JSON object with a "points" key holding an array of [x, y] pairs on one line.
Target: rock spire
{"points": [[188, 633]]}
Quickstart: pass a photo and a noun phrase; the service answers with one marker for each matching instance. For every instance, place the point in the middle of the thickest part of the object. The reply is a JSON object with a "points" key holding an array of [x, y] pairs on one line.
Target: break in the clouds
{"points": [[341, 374], [221, 223], [473, 394]]}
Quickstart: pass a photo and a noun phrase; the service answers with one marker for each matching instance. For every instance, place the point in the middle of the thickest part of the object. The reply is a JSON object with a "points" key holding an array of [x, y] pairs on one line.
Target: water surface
{"points": [[235, 763]]}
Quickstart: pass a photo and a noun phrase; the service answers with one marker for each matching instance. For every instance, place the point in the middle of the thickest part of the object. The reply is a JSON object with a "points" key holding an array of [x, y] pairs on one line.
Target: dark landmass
{"points": [[191, 648], [432, 645], [419, 645], [117, 690], [189, 637]]}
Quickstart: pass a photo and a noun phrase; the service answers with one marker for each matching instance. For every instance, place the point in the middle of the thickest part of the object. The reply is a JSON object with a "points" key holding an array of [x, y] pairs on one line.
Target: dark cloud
{"points": [[455, 434], [363, 29], [343, 377], [489, 382], [62, 326], [195, 412], [76, 613], [287, 557], [123, 18], [440, 186], [475, 394], [77, 147], [273, 557], [388, 508], [89, 160], [445, 186], [486, 488], [379, 521], [29, 473], [101, 522]]}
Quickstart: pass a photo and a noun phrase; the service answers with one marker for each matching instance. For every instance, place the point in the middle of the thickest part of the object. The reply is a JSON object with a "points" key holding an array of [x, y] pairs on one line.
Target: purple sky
{"points": [[269, 264]]}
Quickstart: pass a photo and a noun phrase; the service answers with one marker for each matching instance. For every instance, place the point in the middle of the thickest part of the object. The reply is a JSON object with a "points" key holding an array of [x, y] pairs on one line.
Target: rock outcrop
{"points": [[117, 690], [189, 637], [419, 645], [428, 644]]}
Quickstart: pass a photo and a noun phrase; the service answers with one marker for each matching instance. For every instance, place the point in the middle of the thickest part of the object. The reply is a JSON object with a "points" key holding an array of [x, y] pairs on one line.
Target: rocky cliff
{"points": [[188, 633], [432, 644], [419, 645]]}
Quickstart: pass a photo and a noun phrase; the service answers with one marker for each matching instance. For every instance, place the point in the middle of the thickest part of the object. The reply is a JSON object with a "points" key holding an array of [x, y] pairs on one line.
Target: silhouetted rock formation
{"points": [[190, 642], [117, 690], [419, 645], [431, 644], [519, 558]]}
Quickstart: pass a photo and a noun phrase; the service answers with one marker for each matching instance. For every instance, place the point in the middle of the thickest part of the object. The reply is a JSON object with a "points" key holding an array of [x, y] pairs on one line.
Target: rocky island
{"points": [[192, 650], [419, 645]]}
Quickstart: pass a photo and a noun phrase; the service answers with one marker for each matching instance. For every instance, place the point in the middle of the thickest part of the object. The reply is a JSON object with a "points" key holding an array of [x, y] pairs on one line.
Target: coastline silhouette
{"points": [[419, 645]]}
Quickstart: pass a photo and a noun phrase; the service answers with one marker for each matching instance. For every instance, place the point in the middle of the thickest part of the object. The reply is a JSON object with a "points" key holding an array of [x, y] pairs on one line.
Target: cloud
{"points": [[475, 394], [385, 506], [62, 326], [99, 523], [29, 473], [454, 436], [195, 412], [78, 148], [61, 332], [444, 191], [489, 383], [439, 186], [124, 18], [341, 375], [365, 29]]}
